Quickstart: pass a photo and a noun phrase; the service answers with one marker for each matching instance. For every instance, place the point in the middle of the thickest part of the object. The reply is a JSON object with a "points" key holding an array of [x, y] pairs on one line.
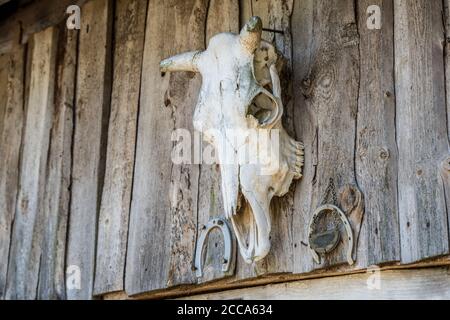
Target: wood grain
{"points": [[275, 15], [4, 58], [91, 120], [415, 284], [422, 135], [445, 165], [57, 186], [376, 146], [223, 16], [116, 195], [10, 146], [371, 106], [163, 217], [326, 80], [29, 227], [31, 19]]}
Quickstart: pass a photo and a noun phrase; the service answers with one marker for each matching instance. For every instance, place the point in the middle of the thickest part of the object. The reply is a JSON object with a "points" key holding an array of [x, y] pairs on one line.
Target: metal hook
{"points": [[273, 30]]}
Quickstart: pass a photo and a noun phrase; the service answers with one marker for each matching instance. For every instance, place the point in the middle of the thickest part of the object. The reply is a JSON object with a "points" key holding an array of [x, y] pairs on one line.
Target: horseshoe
{"points": [[348, 229], [206, 229]]}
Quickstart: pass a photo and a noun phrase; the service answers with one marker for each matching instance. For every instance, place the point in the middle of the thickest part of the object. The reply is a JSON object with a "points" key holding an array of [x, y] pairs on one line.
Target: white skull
{"points": [[240, 94]]}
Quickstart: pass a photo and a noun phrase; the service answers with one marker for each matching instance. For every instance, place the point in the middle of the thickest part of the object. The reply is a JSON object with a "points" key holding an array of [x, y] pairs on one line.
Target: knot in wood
{"points": [[384, 154], [446, 164]]}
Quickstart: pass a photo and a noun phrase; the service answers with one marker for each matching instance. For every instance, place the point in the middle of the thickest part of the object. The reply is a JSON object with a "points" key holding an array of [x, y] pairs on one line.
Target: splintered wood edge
{"points": [[224, 284]]}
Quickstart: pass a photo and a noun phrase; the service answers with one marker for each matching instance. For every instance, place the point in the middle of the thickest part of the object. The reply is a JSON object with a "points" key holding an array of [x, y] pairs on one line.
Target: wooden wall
{"points": [[87, 186], [411, 284]]}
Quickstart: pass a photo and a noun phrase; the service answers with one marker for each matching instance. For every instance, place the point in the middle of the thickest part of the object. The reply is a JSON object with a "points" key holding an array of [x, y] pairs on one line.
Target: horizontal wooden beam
{"points": [[282, 279], [426, 283]]}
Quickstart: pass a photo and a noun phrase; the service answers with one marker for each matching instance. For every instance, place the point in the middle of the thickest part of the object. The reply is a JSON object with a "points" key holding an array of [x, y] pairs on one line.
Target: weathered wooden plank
{"points": [[249, 8], [303, 54], [445, 166], [223, 16], [28, 227], [31, 19], [180, 96], [116, 195], [163, 218], [91, 119], [376, 148], [422, 135], [280, 258], [10, 144], [4, 58], [326, 79], [414, 284], [57, 187], [276, 16], [217, 286]]}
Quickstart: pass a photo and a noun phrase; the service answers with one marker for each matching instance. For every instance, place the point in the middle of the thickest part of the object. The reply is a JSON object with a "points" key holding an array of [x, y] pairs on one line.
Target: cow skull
{"points": [[241, 92]]}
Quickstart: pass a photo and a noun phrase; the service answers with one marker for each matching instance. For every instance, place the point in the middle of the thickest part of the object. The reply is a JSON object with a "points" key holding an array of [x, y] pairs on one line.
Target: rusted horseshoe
{"points": [[348, 229]]}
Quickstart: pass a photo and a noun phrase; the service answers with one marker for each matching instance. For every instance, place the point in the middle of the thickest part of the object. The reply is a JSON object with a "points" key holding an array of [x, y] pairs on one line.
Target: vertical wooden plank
{"points": [[163, 217], [32, 17], [446, 10], [57, 187], [326, 80], [445, 166], [10, 145], [376, 148], [181, 96], [260, 8], [91, 115], [28, 227], [422, 134], [280, 258], [116, 196], [276, 15], [3, 92], [303, 54], [223, 16]]}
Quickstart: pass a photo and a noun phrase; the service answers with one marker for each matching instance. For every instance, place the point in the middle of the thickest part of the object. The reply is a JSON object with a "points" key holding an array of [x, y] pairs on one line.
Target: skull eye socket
{"points": [[261, 108]]}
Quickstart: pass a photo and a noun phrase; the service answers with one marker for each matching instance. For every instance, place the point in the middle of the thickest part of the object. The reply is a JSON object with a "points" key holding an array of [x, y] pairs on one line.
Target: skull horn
{"points": [[181, 62], [250, 35]]}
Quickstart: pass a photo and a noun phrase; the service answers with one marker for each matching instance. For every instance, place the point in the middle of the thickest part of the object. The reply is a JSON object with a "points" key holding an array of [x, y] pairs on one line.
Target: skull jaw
{"points": [[253, 237]]}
